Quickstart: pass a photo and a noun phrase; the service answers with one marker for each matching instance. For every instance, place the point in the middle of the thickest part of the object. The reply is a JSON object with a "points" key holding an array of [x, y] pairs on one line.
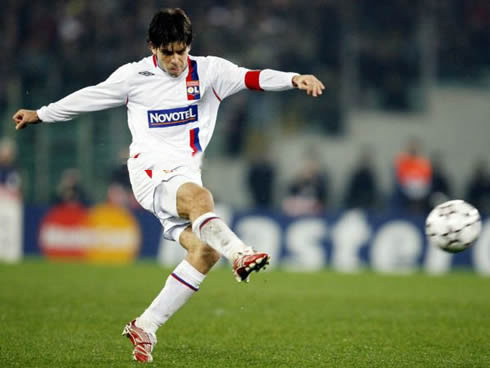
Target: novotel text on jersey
{"points": [[172, 117]]}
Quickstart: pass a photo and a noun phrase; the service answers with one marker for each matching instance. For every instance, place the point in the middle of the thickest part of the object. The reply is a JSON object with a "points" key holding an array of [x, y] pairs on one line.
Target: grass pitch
{"points": [[72, 315]]}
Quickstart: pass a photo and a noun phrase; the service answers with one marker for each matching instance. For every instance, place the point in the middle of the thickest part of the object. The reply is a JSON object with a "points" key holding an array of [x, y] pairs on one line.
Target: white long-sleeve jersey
{"points": [[171, 117]]}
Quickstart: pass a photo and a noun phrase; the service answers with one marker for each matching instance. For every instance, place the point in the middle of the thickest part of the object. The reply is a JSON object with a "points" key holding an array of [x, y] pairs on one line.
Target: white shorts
{"points": [[155, 188]]}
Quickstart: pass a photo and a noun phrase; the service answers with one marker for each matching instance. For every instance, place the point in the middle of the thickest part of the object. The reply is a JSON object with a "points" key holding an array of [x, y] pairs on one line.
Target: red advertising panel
{"points": [[104, 233]]}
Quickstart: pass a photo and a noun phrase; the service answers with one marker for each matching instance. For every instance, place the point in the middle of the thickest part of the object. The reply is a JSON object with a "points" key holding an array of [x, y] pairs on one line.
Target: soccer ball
{"points": [[453, 226]]}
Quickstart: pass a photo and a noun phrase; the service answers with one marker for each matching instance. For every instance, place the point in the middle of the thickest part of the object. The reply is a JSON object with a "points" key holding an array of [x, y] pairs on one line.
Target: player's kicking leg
{"points": [[182, 283], [196, 203]]}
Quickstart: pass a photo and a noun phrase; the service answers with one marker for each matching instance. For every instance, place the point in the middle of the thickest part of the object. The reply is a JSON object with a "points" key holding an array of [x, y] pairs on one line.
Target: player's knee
{"points": [[204, 197], [193, 201], [203, 201]]}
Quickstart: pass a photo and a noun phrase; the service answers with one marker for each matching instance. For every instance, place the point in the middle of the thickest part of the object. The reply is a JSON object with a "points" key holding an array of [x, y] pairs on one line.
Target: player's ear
{"points": [[152, 48]]}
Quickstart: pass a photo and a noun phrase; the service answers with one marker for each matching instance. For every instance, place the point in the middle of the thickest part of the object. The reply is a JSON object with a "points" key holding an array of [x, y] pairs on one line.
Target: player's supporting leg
{"points": [[182, 283], [196, 203]]}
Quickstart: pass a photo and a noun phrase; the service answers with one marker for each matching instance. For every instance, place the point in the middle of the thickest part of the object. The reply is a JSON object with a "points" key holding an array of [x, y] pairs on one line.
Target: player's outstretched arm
{"points": [[309, 83], [23, 117]]}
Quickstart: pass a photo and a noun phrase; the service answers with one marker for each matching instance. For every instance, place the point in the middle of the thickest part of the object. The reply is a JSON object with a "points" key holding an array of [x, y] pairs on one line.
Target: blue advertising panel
{"points": [[346, 241]]}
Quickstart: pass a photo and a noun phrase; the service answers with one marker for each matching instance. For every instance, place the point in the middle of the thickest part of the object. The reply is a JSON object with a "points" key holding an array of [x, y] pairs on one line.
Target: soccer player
{"points": [[172, 101]]}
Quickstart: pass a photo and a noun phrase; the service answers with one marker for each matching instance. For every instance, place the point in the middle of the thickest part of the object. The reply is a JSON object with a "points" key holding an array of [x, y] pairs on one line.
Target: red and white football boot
{"points": [[244, 264], [142, 341]]}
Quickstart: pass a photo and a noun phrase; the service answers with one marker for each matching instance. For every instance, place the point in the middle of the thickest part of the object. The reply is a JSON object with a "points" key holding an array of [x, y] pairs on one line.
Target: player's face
{"points": [[172, 58]]}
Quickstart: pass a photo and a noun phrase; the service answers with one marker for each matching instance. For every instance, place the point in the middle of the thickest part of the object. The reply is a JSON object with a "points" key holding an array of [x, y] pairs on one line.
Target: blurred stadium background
{"points": [[342, 182], [408, 88]]}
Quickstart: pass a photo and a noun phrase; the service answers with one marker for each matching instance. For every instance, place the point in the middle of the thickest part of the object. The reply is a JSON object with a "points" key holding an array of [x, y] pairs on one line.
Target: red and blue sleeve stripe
{"points": [[194, 141]]}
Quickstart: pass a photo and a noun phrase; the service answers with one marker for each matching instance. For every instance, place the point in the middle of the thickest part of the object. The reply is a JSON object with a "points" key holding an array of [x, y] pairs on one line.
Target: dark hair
{"points": [[168, 26]]}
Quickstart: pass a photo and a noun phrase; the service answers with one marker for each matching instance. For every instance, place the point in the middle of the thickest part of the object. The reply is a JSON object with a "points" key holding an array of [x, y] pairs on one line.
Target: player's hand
{"points": [[23, 117], [309, 83]]}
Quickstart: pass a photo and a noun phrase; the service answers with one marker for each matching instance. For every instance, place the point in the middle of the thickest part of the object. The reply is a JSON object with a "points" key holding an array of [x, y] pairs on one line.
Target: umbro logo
{"points": [[146, 73]]}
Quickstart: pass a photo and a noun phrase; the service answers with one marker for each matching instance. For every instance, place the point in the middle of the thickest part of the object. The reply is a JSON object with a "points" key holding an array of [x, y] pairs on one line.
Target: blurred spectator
{"points": [[10, 180], [69, 189], [261, 179], [362, 190], [389, 58], [478, 190], [413, 179], [464, 28], [236, 125], [119, 190], [308, 192], [440, 188]]}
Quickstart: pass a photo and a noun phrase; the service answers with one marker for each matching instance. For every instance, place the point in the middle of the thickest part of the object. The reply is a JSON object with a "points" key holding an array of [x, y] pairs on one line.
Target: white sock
{"points": [[179, 287], [212, 230]]}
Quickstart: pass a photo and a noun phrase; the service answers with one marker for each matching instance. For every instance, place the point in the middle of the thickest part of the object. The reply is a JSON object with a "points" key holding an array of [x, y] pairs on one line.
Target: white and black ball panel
{"points": [[453, 226]]}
